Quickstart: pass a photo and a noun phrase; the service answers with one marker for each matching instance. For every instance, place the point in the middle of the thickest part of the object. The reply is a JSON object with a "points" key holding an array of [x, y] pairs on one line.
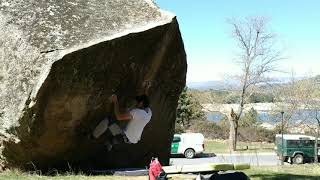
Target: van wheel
{"points": [[298, 159], [189, 153]]}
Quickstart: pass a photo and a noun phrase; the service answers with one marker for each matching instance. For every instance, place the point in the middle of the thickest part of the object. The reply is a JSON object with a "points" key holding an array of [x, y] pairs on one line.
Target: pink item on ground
{"points": [[154, 169]]}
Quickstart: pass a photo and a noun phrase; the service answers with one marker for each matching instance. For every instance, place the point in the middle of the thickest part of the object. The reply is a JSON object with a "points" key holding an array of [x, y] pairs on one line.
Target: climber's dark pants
{"points": [[109, 125]]}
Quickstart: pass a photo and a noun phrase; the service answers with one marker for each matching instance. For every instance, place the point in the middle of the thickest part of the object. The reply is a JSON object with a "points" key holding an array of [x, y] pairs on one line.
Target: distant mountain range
{"points": [[216, 85], [233, 84]]}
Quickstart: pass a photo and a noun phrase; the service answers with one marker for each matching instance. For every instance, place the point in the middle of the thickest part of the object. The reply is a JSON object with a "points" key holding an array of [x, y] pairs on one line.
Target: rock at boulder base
{"points": [[65, 59]]}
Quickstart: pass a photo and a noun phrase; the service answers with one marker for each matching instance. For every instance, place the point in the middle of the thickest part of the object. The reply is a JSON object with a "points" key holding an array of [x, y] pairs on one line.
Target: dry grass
{"points": [[219, 146], [287, 172], [18, 175]]}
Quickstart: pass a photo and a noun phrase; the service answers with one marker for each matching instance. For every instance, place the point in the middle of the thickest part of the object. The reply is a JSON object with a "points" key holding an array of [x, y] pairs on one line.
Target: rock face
{"points": [[61, 61]]}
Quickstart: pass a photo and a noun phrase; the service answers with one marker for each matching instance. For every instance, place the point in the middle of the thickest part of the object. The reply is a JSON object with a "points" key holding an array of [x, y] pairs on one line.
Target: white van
{"points": [[188, 144]]}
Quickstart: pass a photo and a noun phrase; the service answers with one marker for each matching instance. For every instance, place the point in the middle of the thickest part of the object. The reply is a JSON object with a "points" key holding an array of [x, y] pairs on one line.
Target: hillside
{"points": [[264, 93]]}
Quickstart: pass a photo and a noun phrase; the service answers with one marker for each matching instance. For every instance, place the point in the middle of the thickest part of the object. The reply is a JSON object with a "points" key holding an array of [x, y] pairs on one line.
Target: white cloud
{"points": [[210, 71], [202, 72]]}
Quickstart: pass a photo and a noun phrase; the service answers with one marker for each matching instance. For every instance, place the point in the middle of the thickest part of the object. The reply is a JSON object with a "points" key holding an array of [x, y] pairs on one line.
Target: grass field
{"points": [[287, 172], [16, 175], [219, 146]]}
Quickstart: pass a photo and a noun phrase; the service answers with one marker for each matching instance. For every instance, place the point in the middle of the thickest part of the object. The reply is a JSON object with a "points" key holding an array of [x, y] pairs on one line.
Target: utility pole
{"points": [[282, 137]]}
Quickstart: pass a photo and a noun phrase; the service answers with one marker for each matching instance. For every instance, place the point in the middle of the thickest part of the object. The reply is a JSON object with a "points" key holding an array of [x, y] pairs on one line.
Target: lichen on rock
{"points": [[61, 61]]}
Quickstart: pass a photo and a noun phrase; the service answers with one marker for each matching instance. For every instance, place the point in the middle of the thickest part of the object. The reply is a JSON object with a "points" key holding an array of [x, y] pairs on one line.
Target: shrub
{"points": [[209, 129]]}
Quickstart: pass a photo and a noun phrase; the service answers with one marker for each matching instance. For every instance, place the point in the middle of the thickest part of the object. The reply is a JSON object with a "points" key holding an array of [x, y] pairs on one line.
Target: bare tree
{"points": [[311, 103], [290, 99], [316, 160], [257, 57], [303, 96]]}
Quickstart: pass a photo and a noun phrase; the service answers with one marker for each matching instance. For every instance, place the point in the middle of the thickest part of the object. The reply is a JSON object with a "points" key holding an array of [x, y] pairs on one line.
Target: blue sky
{"points": [[211, 50]]}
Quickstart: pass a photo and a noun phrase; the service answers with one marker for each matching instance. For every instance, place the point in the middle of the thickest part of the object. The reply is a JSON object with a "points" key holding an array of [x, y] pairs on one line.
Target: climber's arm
{"points": [[120, 116]]}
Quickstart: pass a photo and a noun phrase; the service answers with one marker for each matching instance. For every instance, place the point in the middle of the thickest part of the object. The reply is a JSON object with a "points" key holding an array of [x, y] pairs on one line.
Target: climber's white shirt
{"points": [[140, 119]]}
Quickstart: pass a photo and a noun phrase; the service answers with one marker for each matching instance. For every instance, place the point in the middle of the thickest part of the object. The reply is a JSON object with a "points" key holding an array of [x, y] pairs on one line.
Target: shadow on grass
{"points": [[202, 155], [282, 176], [255, 149]]}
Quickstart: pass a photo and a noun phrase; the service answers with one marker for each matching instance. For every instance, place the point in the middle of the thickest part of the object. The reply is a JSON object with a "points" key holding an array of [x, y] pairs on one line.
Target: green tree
{"points": [[188, 110], [261, 97], [250, 119], [231, 99]]}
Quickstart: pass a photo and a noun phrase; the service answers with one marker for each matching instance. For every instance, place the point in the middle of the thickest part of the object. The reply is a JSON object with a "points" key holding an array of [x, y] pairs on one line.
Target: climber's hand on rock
{"points": [[114, 98]]}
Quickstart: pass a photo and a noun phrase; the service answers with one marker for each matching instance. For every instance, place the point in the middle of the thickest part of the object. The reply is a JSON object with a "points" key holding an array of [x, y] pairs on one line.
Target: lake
{"points": [[307, 116]]}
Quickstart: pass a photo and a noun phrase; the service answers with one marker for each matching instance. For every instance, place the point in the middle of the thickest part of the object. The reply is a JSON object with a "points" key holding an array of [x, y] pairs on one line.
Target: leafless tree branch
{"points": [[257, 56]]}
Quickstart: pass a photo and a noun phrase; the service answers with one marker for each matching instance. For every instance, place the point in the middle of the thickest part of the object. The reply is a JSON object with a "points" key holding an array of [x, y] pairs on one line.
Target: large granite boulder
{"points": [[60, 62]]}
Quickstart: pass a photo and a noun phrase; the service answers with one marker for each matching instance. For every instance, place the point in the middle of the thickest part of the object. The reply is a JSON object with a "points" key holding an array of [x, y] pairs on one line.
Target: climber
{"points": [[137, 118]]}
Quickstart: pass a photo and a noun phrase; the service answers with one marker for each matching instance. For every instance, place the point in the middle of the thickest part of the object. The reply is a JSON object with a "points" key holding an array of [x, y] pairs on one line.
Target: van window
{"points": [[293, 143], [300, 143], [176, 139], [307, 143]]}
